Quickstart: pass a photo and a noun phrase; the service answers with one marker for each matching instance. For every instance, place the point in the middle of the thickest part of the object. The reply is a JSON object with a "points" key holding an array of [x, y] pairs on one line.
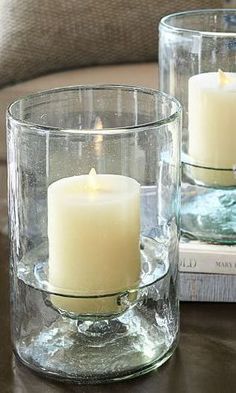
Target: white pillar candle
{"points": [[212, 127], [93, 232]]}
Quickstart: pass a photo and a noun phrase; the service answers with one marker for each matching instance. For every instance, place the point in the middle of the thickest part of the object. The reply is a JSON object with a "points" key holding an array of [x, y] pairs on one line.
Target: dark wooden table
{"points": [[205, 360]]}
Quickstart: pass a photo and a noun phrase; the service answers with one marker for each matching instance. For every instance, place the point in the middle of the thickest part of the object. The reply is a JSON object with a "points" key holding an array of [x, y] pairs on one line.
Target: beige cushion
{"points": [[133, 74], [39, 36]]}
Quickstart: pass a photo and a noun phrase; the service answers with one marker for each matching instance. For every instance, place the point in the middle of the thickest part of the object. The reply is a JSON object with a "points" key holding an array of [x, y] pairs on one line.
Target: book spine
{"points": [[208, 261]]}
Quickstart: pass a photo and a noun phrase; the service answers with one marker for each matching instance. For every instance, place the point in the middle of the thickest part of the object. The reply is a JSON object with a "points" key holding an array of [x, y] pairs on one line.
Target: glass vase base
{"points": [[208, 214], [117, 349], [102, 378]]}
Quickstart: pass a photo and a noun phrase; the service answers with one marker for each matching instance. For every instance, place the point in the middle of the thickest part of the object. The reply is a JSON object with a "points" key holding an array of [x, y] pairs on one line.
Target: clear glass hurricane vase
{"points": [[94, 224]]}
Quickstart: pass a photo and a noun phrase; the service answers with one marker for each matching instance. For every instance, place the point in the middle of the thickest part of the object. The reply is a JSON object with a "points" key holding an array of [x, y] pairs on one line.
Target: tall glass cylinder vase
{"points": [[94, 223], [198, 67]]}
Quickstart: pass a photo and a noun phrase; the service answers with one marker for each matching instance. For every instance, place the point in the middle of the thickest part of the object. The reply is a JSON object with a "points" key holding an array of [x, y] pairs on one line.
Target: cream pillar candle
{"points": [[212, 127], [93, 232]]}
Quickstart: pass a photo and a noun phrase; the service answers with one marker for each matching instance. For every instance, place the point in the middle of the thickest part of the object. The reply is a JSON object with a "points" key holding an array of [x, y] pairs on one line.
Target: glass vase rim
{"points": [[164, 22], [40, 128]]}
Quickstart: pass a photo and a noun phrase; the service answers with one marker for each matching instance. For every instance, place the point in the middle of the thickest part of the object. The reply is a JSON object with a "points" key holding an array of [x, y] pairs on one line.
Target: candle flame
{"points": [[92, 180], [92, 172], [223, 79]]}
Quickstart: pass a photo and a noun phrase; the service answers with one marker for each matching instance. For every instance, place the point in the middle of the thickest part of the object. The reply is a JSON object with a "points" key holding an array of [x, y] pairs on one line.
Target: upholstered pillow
{"points": [[40, 36]]}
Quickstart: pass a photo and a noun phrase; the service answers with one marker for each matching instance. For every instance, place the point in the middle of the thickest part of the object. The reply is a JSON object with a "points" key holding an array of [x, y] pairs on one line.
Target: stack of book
{"points": [[207, 272]]}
